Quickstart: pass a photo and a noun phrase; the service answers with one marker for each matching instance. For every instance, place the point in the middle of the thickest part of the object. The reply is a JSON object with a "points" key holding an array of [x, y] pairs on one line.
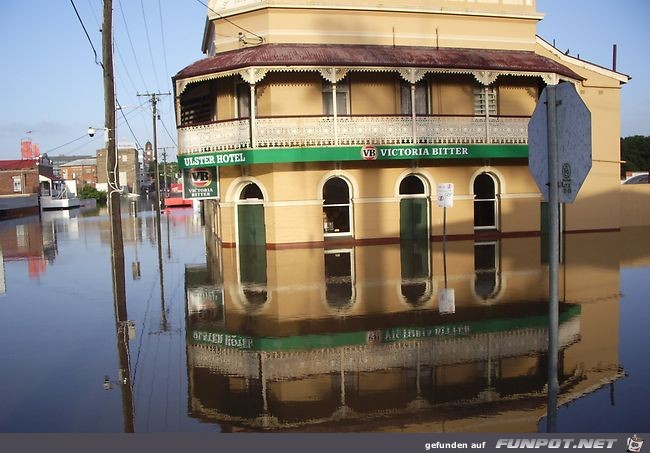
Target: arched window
{"points": [[337, 212], [485, 202], [251, 191], [415, 263], [411, 185], [339, 279], [487, 272]]}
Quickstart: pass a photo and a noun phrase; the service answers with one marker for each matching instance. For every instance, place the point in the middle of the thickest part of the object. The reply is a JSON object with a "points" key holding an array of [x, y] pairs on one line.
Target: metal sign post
{"points": [[559, 132], [554, 259], [445, 196]]}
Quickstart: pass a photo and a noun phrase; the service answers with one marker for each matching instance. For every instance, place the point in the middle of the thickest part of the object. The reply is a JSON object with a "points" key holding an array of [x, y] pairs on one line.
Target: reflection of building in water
{"points": [[352, 339], [26, 239]]}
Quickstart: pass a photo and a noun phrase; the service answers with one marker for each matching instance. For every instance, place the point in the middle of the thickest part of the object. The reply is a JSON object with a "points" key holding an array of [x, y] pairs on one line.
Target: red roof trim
{"points": [[375, 56], [18, 164]]}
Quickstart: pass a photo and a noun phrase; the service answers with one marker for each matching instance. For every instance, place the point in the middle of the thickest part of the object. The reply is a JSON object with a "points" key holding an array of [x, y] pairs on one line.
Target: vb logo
{"points": [[369, 153]]}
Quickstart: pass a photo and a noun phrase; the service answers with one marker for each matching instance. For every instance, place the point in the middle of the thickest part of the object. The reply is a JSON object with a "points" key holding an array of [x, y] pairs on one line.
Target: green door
{"points": [[252, 252], [250, 223], [413, 219]]}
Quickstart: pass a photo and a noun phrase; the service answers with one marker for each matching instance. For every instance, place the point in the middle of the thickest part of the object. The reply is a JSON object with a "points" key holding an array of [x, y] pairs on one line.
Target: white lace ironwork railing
{"points": [[401, 354], [311, 131], [221, 136]]}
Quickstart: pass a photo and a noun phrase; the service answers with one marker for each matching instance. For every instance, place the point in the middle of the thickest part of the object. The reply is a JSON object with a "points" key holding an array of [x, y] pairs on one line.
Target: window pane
{"points": [[336, 219], [338, 279], [243, 101], [336, 191], [411, 185], [484, 187], [341, 103], [251, 191], [341, 99], [484, 214], [421, 98]]}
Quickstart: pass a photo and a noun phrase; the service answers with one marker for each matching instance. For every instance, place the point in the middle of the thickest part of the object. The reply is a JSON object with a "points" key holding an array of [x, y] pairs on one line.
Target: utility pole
{"points": [[164, 150], [154, 101], [117, 242]]}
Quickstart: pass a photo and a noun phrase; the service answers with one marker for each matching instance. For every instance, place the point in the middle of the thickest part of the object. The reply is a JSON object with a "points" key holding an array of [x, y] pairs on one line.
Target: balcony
{"points": [[310, 131]]}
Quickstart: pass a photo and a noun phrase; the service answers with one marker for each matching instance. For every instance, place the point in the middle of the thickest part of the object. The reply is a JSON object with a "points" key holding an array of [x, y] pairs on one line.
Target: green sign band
{"points": [[350, 153], [383, 336]]}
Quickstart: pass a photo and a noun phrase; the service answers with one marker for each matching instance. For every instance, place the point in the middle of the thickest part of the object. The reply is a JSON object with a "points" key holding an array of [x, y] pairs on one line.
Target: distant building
{"points": [[128, 168], [82, 171], [21, 183], [148, 156], [59, 161], [18, 176]]}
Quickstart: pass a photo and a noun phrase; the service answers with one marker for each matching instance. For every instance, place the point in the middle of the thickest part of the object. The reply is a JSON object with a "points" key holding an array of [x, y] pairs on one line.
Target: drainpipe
{"points": [[486, 92], [252, 118], [413, 113], [335, 111]]}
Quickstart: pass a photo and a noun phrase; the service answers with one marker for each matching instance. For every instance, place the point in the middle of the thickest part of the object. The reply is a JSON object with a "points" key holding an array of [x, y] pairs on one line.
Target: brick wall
{"points": [[29, 180]]}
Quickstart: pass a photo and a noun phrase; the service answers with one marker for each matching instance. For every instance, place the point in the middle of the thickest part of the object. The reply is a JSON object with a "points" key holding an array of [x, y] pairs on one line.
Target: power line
{"points": [[97, 62], [128, 34], [162, 35], [146, 29], [168, 134], [127, 123], [66, 144], [232, 23]]}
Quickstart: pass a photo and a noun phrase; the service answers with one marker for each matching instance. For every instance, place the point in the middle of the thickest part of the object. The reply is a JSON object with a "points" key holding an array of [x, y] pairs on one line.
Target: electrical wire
{"points": [[66, 144], [97, 62], [128, 34], [232, 23], [127, 123], [168, 134], [146, 29], [164, 47]]}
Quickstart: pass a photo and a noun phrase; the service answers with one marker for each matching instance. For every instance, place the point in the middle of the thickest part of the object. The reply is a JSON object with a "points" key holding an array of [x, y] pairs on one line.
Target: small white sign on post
{"points": [[446, 301], [445, 195]]}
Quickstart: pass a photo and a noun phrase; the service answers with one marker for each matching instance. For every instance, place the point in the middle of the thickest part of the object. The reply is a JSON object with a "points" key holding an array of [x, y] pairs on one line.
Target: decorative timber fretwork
{"points": [[333, 75], [485, 77], [253, 75], [412, 75]]}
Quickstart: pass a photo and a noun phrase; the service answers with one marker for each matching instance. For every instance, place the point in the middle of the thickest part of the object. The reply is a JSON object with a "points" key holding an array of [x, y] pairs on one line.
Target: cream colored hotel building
{"points": [[333, 122]]}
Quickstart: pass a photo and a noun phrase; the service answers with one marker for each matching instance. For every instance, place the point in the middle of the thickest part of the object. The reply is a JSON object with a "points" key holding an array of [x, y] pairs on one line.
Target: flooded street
{"points": [[401, 337]]}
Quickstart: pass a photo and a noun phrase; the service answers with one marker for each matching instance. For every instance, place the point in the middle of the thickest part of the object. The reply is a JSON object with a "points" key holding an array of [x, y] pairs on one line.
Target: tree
{"points": [[90, 192], [635, 151]]}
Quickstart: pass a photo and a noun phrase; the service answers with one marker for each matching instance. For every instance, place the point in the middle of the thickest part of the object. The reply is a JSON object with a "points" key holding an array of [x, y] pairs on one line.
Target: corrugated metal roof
{"points": [[349, 55], [80, 162], [18, 164]]}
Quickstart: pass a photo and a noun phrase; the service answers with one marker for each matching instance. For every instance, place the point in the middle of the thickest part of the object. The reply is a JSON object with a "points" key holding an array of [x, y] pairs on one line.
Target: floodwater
{"points": [[393, 338]]}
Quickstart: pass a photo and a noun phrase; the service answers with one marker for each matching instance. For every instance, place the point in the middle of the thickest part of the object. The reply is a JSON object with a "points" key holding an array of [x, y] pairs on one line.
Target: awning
{"points": [[369, 56]]}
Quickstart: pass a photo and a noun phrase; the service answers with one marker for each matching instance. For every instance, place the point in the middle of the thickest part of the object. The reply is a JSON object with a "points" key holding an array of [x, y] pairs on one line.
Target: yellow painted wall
{"points": [[373, 93], [635, 205], [453, 95], [598, 203], [225, 101], [293, 93], [328, 26], [517, 96]]}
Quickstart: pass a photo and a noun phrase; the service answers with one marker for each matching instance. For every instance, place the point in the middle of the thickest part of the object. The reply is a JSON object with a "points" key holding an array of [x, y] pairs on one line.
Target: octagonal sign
{"points": [[573, 141]]}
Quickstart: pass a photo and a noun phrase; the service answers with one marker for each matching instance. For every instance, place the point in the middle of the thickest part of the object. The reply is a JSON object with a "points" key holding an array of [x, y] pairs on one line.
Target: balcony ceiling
{"points": [[368, 56]]}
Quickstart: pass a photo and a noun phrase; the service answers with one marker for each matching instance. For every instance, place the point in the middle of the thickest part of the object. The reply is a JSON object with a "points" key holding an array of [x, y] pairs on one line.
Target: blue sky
{"points": [[51, 85]]}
